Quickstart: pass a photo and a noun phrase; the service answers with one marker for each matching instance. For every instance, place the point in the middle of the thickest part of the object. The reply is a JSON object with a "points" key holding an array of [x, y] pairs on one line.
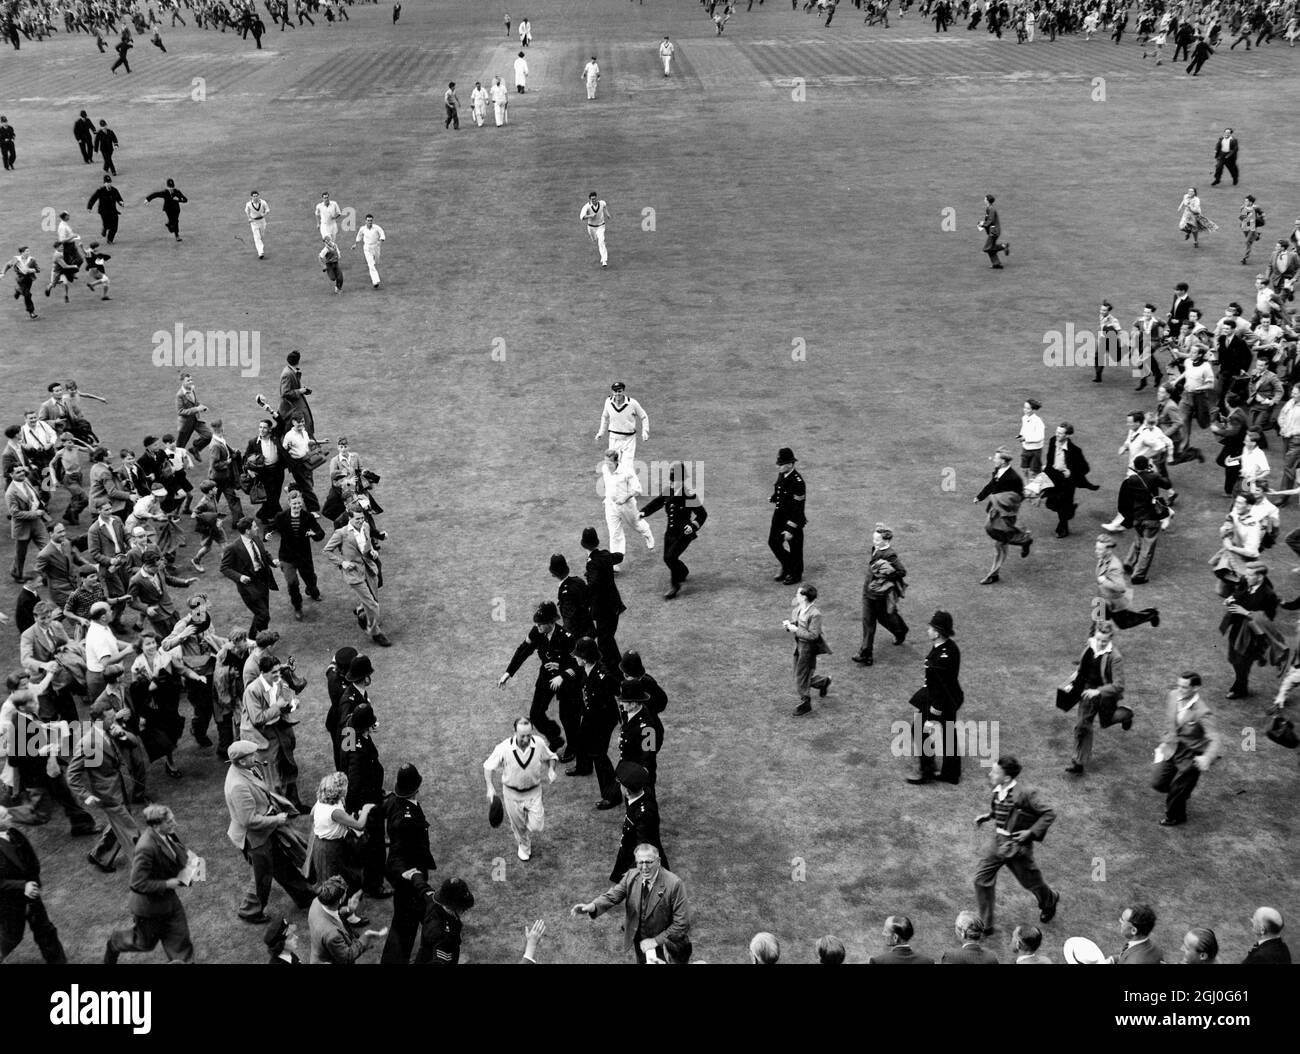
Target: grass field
{"points": [[798, 288]]}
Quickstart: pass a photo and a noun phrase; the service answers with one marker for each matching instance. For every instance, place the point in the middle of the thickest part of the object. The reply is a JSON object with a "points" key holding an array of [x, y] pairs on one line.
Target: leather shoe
{"points": [[899, 640], [791, 579], [918, 780], [1139, 580], [1167, 822], [382, 641], [864, 660], [605, 803], [260, 919], [1024, 549], [567, 756], [1074, 769], [802, 710], [575, 772], [672, 592], [361, 616], [988, 580], [1155, 620], [824, 688], [108, 869], [1048, 913]]}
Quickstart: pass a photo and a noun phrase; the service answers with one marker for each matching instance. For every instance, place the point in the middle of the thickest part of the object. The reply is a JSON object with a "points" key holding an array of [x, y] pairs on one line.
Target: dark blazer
{"points": [[18, 866], [1179, 310], [900, 955], [1268, 953], [1009, 481], [1028, 812], [665, 916], [235, 561], [1144, 953], [83, 130], [107, 200], [942, 695], [605, 601], [969, 955], [408, 838], [1136, 495], [640, 826], [295, 547], [365, 775], [1075, 463], [556, 649], [151, 867]]}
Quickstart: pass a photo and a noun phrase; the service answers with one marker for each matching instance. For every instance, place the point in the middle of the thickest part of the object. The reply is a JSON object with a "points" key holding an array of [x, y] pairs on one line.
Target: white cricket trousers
{"points": [[597, 235], [500, 111], [618, 517], [526, 814], [258, 227], [372, 261], [625, 445]]}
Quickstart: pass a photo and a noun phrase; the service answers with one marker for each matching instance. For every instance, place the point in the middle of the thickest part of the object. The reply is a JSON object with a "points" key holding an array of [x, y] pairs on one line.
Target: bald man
{"points": [[1269, 948]]}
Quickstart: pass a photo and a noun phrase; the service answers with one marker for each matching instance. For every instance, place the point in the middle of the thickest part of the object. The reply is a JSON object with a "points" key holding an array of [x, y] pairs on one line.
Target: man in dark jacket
{"points": [[937, 702], [557, 677], [440, 927], [1068, 470], [84, 132], [408, 850], [573, 599], [297, 527], [107, 201], [686, 515], [172, 200], [898, 934], [1269, 949], [159, 860], [884, 586], [641, 824], [1020, 818], [20, 896], [599, 719], [606, 604], [642, 735]]}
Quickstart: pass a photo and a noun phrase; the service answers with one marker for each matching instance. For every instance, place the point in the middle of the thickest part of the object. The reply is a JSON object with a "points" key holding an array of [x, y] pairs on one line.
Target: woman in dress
{"points": [[334, 838], [1241, 533], [155, 695], [1191, 221]]}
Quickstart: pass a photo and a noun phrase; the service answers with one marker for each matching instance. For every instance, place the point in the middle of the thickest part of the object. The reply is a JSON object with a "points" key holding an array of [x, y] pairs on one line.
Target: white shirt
{"points": [[1225, 144], [521, 769], [1198, 378], [594, 215], [39, 436], [257, 210], [666, 48], [370, 236], [478, 98], [327, 212], [620, 484], [66, 233], [1254, 465], [521, 69], [1032, 432], [622, 420], [499, 94], [101, 647], [591, 71], [296, 444]]}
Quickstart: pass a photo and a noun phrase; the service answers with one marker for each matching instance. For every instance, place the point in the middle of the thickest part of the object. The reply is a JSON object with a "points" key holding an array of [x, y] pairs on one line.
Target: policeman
{"points": [[441, 925], [408, 850], [642, 735], [557, 677], [785, 539], [686, 515], [599, 718], [641, 824]]}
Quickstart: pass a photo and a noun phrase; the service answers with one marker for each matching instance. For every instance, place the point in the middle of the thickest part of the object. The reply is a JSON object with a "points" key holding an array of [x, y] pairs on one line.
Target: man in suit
{"points": [[108, 546], [105, 145], [352, 549], [1179, 310], [150, 595], [1020, 818], [898, 934], [222, 471], [789, 518], [332, 942], [937, 702], [42, 788], [39, 649], [991, 225], [970, 931], [1225, 147], [598, 719], [159, 916], [266, 459], [293, 396], [805, 622], [20, 896], [98, 776], [296, 528], [107, 486], [1097, 687], [654, 902], [1136, 508], [189, 415], [246, 562], [27, 519], [686, 515], [1005, 491], [641, 822], [259, 828], [606, 604], [884, 586], [59, 565], [267, 719], [1068, 470], [107, 201], [1269, 949], [1188, 748], [83, 130], [1135, 926]]}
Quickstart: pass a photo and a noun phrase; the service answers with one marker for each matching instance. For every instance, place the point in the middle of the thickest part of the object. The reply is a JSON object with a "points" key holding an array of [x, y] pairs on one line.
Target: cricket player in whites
{"points": [[327, 215], [621, 489], [619, 418], [478, 100], [257, 210], [522, 760], [595, 214], [370, 237], [666, 50], [591, 74]]}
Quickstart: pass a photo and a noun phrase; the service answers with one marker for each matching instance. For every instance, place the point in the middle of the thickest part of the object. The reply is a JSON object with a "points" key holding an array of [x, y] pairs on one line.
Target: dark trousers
{"points": [[200, 697], [1241, 680], [43, 793], [1220, 163], [951, 768], [408, 912], [193, 427], [674, 546], [373, 852], [43, 930], [790, 554], [173, 221], [1194, 67], [87, 147], [606, 627], [593, 755], [1128, 618], [335, 273], [230, 491], [1176, 779], [304, 478], [879, 610], [1022, 866], [301, 567], [258, 602], [453, 118], [270, 861], [272, 479], [171, 931], [542, 696], [121, 61], [24, 291], [121, 833], [107, 157], [7, 154], [1181, 49]]}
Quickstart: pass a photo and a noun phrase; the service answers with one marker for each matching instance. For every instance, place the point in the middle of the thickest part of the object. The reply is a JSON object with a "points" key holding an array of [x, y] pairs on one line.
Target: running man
{"points": [[370, 237], [257, 210], [620, 418], [595, 214], [327, 215]]}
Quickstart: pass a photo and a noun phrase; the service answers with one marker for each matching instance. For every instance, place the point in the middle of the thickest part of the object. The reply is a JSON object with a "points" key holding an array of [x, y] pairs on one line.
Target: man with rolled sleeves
{"points": [[785, 538], [97, 777], [884, 586], [641, 823], [937, 702], [599, 718], [408, 850], [686, 515], [520, 758], [1020, 818], [257, 817], [557, 678]]}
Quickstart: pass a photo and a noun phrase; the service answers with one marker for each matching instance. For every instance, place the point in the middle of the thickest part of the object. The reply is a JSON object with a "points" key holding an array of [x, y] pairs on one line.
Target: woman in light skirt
{"points": [[1191, 221]]}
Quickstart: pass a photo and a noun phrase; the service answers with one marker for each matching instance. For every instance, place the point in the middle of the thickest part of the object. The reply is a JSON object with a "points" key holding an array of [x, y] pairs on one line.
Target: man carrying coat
{"points": [[885, 584]]}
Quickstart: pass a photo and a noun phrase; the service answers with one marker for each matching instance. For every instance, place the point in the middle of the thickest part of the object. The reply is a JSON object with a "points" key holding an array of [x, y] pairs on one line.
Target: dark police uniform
{"points": [[439, 930], [574, 603], [640, 826], [640, 740], [555, 657], [408, 847], [939, 700], [599, 719], [788, 496], [682, 511]]}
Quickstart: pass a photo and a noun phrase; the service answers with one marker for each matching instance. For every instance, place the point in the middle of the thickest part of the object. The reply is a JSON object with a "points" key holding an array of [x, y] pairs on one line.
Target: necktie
{"points": [[257, 561], [645, 897]]}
